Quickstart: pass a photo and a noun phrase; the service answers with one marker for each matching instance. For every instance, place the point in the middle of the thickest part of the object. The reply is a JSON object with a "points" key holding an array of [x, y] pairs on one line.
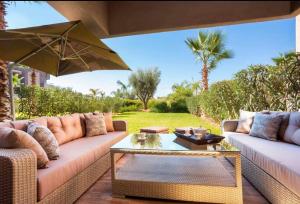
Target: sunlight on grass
{"points": [[137, 120]]}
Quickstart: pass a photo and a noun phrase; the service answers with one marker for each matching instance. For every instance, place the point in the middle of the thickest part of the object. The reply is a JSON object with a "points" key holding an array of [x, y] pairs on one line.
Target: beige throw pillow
{"points": [[12, 138], [95, 124], [245, 121], [45, 138], [266, 126], [108, 121]]}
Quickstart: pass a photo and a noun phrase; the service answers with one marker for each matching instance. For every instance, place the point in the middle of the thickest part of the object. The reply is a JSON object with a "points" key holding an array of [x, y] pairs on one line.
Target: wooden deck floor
{"points": [[100, 193]]}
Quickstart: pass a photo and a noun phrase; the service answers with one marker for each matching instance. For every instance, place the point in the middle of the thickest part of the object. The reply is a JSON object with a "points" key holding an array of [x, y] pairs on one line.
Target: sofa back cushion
{"points": [[55, 126], [6, 124], [65, 128], [41, 121], [245, 121], [20, 124], [292, 131], [72, 126], [109, 122]]}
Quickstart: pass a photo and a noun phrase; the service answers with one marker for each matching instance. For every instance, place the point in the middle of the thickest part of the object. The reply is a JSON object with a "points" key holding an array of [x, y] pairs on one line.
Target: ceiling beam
{"points": [[92, 13], [120, 18]]}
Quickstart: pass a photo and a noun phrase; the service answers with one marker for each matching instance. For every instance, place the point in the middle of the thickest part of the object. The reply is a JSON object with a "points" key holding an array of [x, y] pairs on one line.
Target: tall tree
{"points": [[209, 49], [5, 113], [144, 84]]}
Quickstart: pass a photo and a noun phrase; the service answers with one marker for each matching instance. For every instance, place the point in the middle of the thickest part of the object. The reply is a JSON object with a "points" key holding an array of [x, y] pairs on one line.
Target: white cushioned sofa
{"points": [[273, 167]]}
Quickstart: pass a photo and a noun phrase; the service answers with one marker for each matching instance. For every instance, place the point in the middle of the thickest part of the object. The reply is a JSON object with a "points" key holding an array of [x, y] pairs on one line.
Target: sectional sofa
{"points": [[273, 167], [82, 161]]}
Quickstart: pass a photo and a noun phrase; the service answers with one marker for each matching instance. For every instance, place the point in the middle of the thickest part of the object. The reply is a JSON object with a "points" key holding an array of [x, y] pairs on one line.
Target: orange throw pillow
{"points": [[109, 122], [12, 138]]}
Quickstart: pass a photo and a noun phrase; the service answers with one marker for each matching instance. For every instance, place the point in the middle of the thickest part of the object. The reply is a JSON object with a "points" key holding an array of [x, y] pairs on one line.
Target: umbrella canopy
{"points": [[58, 49]]}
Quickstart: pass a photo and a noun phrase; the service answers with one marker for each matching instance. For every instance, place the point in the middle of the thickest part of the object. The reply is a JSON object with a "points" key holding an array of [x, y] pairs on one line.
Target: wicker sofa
{"points": [[271, 166], [82, 161]]}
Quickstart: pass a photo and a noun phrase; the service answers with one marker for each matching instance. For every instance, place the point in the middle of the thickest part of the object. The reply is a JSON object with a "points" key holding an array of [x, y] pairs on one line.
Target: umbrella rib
{"points": [[35, 51], [78, 52], [75, 52], [50, 47]]}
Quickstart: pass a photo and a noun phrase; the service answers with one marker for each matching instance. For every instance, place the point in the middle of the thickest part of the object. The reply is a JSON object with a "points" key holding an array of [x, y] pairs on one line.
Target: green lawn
{"points": [[137, 120]]}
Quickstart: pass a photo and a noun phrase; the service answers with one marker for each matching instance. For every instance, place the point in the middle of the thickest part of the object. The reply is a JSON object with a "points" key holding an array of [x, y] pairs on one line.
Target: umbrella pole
{"points": [[11, 91]]}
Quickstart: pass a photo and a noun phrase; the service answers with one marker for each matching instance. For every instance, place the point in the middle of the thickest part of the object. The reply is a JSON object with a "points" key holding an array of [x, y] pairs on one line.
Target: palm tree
{"points": [[17, 80], [94, 92], [5, 113], [209, 49]]}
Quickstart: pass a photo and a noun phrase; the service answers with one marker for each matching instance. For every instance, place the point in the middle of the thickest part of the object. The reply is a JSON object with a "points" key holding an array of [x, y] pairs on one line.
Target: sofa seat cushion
{"points": [[279, 159], [75, 156]]}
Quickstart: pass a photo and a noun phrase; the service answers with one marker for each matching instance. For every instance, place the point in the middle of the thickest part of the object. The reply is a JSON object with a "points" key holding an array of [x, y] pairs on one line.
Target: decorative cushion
{"points": [[284, 123], [266, 126], [12, 138], [95, 124], [109, 122], [291, 134], [245, 121], [45, 138]]}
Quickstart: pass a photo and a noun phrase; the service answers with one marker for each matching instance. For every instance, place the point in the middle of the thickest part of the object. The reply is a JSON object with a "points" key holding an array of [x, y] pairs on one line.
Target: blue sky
{"points": [[252, 43]]}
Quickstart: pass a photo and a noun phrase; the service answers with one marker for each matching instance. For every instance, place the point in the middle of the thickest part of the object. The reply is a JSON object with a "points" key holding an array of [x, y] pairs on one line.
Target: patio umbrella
{"points": [[58, 49]]}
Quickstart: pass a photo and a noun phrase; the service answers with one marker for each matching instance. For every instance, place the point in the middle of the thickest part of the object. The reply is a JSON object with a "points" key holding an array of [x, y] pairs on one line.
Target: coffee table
{"points": [[167, 167]]}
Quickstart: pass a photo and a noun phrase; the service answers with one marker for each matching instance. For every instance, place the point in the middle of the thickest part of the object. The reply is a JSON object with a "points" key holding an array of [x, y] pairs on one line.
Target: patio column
{"points": [[297, 34]]}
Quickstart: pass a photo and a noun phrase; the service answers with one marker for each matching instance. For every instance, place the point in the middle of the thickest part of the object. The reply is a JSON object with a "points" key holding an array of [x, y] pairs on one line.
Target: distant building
{"points": [[26, 74]]}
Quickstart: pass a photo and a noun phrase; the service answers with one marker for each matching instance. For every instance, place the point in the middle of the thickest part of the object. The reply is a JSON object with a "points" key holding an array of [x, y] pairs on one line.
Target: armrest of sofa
{"points": [[120, 125], [18, 174], [229, 125]]}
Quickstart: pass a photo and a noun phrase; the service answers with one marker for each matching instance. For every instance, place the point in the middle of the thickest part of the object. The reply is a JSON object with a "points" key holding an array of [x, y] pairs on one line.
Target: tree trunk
{"points": [[145, 103], [5, 113], [205, 77], [33, 77]]}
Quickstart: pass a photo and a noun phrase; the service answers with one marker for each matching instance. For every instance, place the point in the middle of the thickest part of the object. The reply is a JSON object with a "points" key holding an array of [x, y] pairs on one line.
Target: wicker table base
{"points": [[187, 178]]}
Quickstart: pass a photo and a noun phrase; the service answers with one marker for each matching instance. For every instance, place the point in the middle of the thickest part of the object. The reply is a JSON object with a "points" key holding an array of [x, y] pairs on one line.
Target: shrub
{"points": [[132, 102], [37, 101], [259, 87], [178, 106], [193, 105], [160, 106], [130, 108]]}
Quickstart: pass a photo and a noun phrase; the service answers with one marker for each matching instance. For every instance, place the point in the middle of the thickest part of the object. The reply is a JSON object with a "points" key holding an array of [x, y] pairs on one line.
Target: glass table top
{"points": [[168, 142]]}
